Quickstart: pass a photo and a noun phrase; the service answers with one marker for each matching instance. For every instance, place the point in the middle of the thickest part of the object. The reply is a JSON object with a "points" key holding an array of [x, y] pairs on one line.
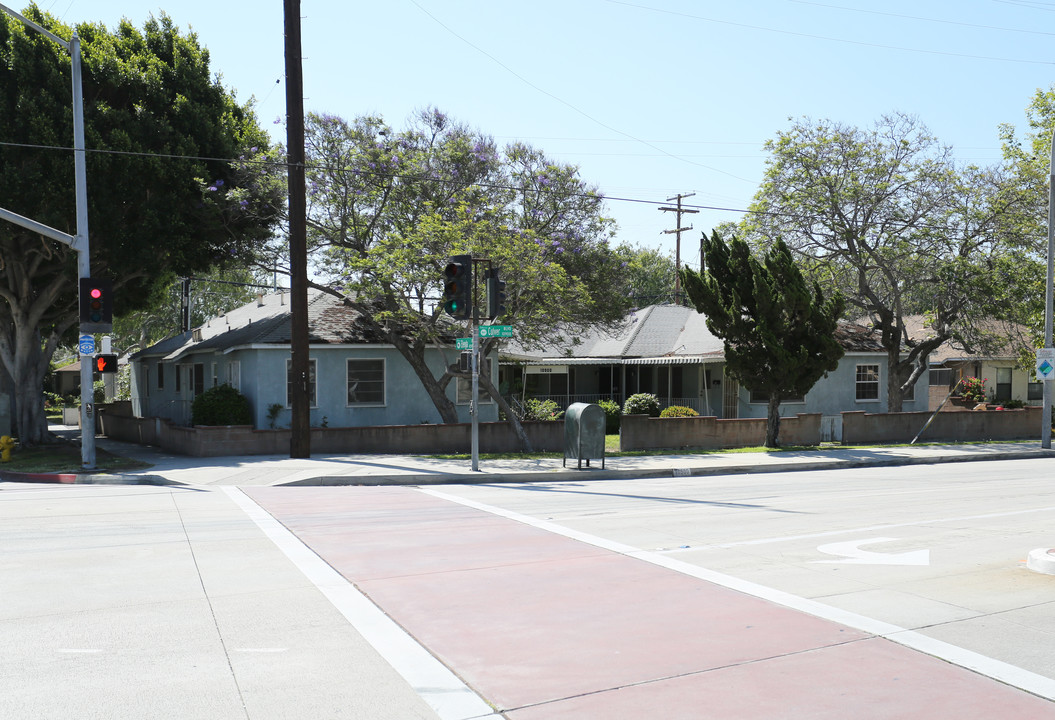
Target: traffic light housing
{"points": [[96, 304], [458, 287], [105, 363], [496, 295]]}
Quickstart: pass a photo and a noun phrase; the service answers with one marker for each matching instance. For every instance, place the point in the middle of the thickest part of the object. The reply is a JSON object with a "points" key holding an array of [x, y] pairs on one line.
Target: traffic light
{"points": [[97, 304], [106, 363], [496, 295], [458, 287]]}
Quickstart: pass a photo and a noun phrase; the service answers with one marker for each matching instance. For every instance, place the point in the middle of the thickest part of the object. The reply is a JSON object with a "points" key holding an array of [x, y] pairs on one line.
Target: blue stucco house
{"points": [[667, 350], [356, 379]]}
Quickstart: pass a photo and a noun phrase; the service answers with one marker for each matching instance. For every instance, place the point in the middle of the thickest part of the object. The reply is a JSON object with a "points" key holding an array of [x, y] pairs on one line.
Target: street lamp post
{"points": [[79, 242], [1045, 431]]}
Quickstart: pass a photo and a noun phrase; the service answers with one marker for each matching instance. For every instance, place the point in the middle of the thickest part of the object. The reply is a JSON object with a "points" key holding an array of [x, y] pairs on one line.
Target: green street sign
{"points": [[463, 344], [496, 331]]}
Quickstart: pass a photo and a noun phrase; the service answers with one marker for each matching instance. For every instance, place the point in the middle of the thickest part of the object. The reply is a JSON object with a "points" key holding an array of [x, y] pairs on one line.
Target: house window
{"points": [[366, 382], [762, 398], [1003, 384], [1035, 391], [941, 377], [215, 377], [465, 385], [867, 382], [311, 383], [199, 379], [179, 376], [234, 374], [161, 376]]}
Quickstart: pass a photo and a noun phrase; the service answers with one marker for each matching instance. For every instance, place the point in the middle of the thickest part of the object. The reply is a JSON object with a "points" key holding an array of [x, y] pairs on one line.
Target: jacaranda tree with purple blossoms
{"points": [[388, 207], [156, 208]]}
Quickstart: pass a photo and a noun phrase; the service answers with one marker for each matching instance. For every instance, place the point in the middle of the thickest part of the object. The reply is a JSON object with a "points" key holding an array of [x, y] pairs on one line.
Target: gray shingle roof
{"points": [[268, 321]]}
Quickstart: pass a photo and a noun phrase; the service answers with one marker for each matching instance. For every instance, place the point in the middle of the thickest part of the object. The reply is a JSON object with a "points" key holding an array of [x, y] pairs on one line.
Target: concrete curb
{"points": [[644, 473], [84, 478]]}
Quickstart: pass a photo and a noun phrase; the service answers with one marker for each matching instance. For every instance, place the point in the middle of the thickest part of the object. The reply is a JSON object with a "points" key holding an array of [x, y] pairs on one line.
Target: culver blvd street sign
{"points": [[496, 331]]}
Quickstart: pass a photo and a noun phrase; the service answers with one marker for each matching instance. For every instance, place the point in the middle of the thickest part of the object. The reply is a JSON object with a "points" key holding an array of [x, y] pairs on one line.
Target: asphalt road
{"points": [[939, 550]]}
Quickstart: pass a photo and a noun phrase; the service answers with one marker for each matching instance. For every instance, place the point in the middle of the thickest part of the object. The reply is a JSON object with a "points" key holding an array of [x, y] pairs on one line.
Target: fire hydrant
{"points": [[7, 444]]}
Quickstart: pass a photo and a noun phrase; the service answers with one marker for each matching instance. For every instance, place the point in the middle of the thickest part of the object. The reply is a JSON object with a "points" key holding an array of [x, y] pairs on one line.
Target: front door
{"points": [[731, 399]]}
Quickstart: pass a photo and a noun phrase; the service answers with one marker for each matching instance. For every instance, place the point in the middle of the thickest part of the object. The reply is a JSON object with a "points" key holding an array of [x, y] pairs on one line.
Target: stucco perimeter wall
{"points": [[641, 432], [390, 439], [866, 428]]}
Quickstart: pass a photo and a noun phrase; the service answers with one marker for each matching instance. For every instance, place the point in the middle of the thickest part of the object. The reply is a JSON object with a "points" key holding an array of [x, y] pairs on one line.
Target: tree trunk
{"points": [[525, 443], [773, 421], [444, 405], [27, 363], [893, 382]]}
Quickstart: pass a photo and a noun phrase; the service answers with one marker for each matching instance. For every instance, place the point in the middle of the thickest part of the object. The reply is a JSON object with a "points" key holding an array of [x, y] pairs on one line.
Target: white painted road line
{"points": [[432, 680], [976, 662]]}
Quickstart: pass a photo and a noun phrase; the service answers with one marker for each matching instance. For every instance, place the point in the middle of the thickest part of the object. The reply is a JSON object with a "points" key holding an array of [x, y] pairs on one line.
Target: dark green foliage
{"points": [[678, 411], [541, 411], [221, 405], [612, 413], [153, 108], [642, 404], [779, 331]]}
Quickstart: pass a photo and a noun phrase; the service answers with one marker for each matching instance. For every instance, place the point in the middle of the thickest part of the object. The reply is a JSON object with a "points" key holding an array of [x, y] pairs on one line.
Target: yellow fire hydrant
{"points": [[7, 444]]}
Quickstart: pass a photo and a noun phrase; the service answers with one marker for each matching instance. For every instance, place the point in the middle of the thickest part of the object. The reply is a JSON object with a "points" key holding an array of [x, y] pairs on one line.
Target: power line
{"points": [[421, 178]]}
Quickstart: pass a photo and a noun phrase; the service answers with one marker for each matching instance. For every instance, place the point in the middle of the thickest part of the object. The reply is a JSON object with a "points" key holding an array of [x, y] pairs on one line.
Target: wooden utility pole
{"points": [[678, 230], [300, 423]]}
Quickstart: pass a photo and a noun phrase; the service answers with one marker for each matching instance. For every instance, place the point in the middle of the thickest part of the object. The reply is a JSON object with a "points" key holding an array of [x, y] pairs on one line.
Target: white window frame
{"points": [[234, 374], [859, 382]]}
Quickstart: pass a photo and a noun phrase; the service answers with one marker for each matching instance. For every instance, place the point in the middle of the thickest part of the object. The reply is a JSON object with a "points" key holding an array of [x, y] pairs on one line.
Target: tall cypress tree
{"points": [[778, 329]]}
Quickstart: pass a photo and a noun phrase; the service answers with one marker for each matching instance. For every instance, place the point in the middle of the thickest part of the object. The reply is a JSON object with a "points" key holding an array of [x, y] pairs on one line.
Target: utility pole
{"points": [[300, 425], [677, 231]]}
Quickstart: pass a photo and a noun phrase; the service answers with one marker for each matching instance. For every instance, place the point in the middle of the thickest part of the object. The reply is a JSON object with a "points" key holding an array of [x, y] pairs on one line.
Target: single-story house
{"points": [[668, 350], [997, 363], [356, 378]]}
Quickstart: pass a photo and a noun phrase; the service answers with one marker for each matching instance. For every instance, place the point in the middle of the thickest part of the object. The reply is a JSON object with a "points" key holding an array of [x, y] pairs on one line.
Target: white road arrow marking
{"points": [[852, 554]]}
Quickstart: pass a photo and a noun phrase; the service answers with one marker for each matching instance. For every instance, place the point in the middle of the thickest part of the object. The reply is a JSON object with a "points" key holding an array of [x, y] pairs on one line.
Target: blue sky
{"points": [[648, 97]]}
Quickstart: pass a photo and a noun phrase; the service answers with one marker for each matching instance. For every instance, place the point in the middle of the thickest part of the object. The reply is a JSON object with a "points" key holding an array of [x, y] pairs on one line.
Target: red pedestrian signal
{"points": [[106, 363]]}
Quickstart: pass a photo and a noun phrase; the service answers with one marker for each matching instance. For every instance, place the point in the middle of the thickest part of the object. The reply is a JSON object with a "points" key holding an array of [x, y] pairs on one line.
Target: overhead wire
{"points": [[418, 178]]}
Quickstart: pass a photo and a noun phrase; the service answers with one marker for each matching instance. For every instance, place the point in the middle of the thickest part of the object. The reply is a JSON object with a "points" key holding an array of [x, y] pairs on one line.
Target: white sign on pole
{"points": [[1045, 364]]}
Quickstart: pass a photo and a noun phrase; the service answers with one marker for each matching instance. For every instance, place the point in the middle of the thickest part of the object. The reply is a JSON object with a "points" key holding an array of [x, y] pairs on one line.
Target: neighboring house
{"points": [[668, 350], [356, 379], [997, 364]]}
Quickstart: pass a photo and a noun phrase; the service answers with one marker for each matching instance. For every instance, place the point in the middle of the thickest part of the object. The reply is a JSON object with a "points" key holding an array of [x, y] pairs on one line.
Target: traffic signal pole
{"points": [[79, 242]]}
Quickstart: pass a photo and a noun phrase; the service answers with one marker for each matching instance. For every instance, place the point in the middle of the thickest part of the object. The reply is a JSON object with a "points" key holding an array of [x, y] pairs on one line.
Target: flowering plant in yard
{"points": [[973, 389]]}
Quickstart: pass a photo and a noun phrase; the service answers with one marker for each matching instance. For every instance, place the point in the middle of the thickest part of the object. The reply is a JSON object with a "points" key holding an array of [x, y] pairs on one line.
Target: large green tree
{"points": [[1028, 160], [387, 207], [886, 216], [778, 329], [163, 197]]}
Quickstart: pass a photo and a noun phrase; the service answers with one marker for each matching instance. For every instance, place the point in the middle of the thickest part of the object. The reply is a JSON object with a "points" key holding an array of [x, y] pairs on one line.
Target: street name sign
{"points": [[496, 331], [463, 344]]}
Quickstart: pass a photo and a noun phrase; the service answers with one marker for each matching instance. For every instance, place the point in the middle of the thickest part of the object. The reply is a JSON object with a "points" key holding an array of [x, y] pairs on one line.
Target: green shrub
{"points": [[678, 411], [642, 404], [541, 410], [611, 416], [221, 405]]}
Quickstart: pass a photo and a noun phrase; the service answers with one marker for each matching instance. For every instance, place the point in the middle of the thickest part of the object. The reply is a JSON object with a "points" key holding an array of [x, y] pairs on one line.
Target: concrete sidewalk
{"points": [[360, 469]]}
